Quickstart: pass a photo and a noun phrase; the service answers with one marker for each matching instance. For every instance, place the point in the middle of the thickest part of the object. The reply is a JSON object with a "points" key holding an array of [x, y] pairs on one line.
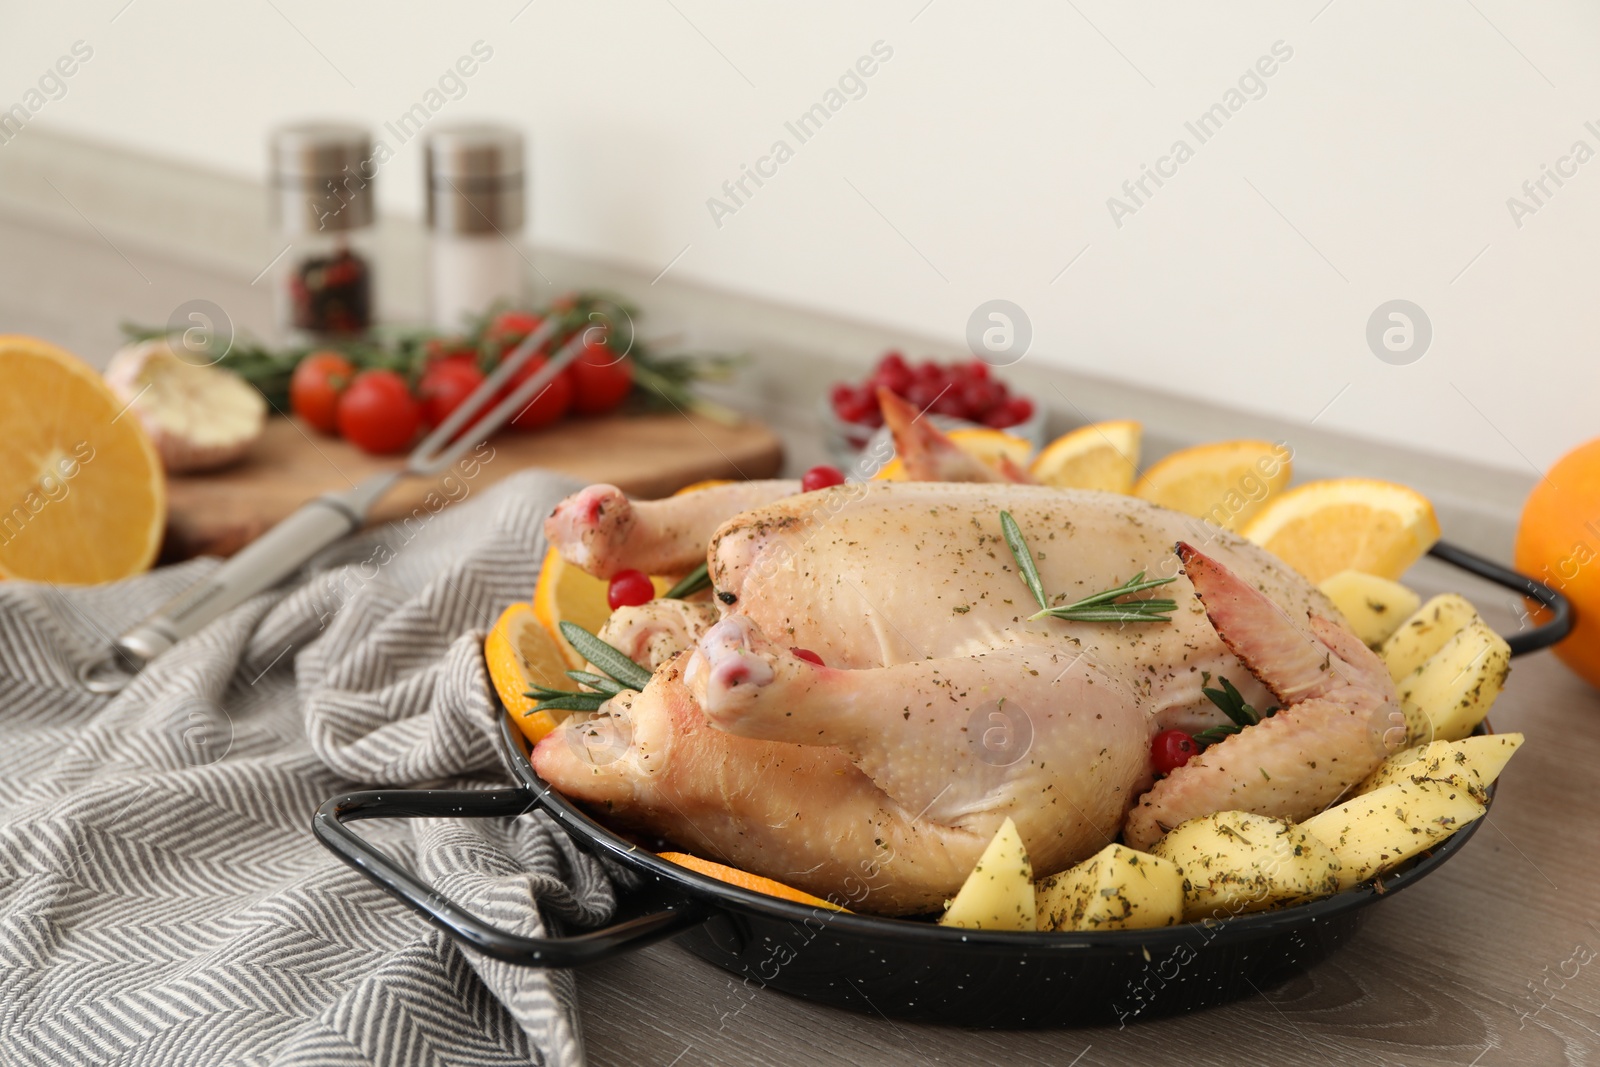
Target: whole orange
{"points": [[1558, 542]]}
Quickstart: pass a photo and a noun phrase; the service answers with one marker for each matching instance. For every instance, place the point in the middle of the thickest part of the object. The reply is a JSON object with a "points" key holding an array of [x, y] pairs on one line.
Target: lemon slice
{"points": [[985, 444], [82, 495], [520, 654], [1228, 482], [1102, 455], [1363, 524]]}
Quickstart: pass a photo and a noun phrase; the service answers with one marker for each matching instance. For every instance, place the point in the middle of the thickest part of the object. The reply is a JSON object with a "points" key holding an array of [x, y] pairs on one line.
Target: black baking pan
{"points": [[902, 968]]}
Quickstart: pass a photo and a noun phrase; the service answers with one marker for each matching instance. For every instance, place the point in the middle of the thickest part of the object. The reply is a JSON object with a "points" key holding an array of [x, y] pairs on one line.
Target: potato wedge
{"points": [[1236, 861], [1473, 763], [1425, 633], [1374, 607], [1457, 685], [1375, 831], [1118, 888], [998, 894]]}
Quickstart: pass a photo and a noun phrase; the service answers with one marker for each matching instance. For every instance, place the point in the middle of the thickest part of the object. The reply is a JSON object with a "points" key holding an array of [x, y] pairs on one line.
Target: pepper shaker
{"points": [[324, 206], [475, 196]]}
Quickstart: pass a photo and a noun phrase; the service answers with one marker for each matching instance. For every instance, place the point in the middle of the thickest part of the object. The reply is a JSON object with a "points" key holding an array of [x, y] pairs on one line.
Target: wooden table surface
{"points": [[1477, 965]]}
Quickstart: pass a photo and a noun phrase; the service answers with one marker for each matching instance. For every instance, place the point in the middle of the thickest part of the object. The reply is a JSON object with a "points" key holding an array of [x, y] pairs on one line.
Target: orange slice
{"points": [[521, 654], [1363, 524], [83, 498], [1228, 482], [708, 483], [746, 880], [1102, 455], [566, 593], [986, 444]]}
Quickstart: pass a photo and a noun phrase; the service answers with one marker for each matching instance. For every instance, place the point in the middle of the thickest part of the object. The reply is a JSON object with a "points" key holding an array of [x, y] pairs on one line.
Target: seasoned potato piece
{"points": [[1235, 861], [1457, 685], [1374, 607], [1377, 830], [998, 894], [1425, 633], [1473, 763], [1118, 888]]}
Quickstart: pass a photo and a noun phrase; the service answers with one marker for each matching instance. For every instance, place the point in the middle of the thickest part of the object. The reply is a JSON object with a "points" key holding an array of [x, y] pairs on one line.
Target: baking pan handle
{"points": [[590, 947], [1547, 633]]}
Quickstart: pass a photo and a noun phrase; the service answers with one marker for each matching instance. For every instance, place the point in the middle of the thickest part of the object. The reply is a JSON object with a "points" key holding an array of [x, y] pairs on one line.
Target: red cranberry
{"points": [[1171, 749], [630, 589], [820, 478]]}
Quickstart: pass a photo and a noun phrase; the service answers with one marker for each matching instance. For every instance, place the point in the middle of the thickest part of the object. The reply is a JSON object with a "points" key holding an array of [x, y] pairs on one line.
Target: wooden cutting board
{"points": [[646, 455]]}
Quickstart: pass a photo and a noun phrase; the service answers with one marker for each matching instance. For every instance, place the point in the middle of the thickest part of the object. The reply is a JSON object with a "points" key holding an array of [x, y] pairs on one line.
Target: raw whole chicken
{"points": [[940, 709]]}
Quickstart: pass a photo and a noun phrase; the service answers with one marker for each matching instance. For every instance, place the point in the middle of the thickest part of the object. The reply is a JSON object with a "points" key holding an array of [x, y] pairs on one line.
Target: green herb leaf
{"points": [[605, 657], [597, 681], [1232, 704], [691, 583], [570, 702], [1214, 734], [1024, 557]]}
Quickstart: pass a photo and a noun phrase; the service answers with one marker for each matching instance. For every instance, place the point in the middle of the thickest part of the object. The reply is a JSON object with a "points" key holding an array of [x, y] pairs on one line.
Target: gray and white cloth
{"points": [[162, 899]]}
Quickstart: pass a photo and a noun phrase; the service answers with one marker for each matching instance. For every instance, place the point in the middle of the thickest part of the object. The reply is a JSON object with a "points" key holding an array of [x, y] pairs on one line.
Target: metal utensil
{"points": [[287, 546]]}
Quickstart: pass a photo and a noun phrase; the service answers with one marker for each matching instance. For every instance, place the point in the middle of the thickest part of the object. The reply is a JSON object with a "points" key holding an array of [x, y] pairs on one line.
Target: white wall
{"points": [[1377, 165]]}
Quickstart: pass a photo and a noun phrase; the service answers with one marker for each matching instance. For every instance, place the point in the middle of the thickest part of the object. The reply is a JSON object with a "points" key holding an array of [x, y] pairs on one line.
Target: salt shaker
{"points": [[323, 206], [475, 215]]}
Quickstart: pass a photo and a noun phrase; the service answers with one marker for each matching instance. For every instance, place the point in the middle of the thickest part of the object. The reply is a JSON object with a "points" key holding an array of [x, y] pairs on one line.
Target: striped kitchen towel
{"points": [[162, 900]]}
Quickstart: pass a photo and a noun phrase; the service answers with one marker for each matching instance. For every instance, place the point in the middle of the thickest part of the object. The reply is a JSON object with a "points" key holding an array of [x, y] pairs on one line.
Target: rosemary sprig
{"points": [[691, 583], [1232, 704], [1101, 607], [621, 674], [605, 657]]}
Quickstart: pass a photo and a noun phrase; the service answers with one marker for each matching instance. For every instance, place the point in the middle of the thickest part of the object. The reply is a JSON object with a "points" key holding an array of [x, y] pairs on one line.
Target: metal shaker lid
{"points": [[475, 179], [322, 176]]}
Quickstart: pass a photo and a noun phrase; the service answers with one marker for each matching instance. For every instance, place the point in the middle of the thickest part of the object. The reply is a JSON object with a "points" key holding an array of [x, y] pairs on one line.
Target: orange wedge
{"points": [[746, 880], [1362, 524], [1227, 482], [1102, 455], [565, 592], [521, 654], [83, 498], [986, 444]]}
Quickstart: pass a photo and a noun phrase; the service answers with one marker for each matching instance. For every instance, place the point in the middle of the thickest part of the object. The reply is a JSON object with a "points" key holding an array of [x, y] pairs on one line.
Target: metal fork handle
{"points": [[260, 565]]}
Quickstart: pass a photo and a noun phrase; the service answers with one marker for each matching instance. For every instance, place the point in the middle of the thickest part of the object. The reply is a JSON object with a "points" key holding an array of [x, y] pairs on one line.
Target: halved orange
{"points": [[565, 592], [986, 444], [521, 654], [1102, 455], [1227, 482], [746, 880], [1363, 524], [83, 498]]}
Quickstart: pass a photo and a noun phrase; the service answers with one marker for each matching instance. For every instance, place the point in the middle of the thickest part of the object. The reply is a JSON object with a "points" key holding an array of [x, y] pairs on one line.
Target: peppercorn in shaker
{"points": [[475, 214], [323, 206]]}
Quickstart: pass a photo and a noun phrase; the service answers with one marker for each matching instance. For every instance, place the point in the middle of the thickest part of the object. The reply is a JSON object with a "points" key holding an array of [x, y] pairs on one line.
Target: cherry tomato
{"points": [[601, 380], [510, 327], [546, 406], [1171, 749], [440, 348], [378, 414], [821, 477], [630, 589], [444, 385], [315, 386], [807, 655]]}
